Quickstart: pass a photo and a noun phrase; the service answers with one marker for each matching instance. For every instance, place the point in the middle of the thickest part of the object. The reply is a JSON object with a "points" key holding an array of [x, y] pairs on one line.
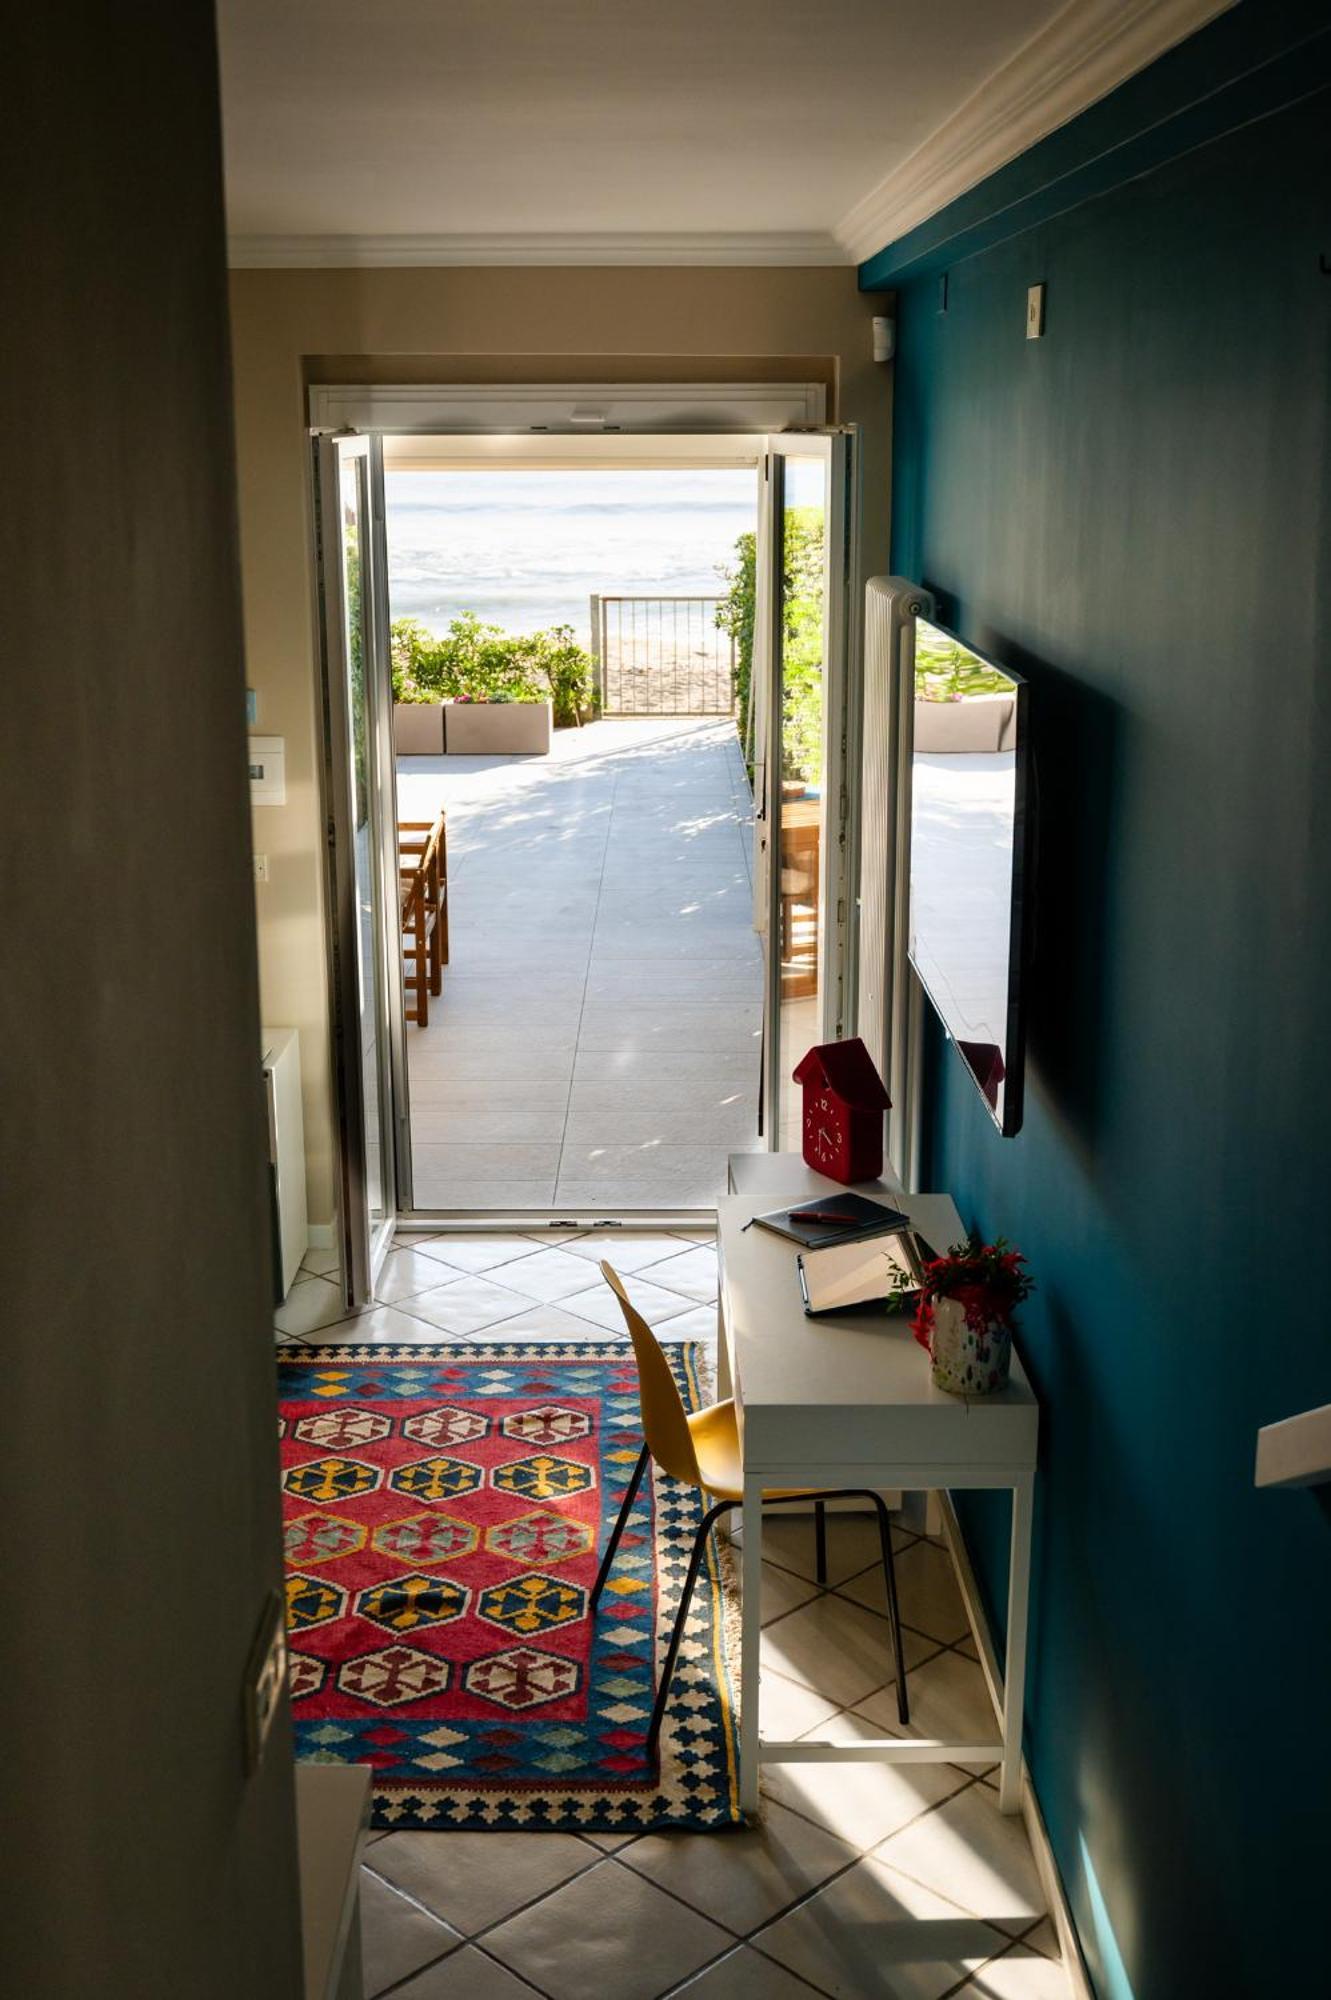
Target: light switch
{"points": [[268, 771], [1035, 312]]}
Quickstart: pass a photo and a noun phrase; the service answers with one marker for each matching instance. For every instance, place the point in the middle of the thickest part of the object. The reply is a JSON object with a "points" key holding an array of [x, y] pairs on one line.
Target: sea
{"points": [[527, 550]]}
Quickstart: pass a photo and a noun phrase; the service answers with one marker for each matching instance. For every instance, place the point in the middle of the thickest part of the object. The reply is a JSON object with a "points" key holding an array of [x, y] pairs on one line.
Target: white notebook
{"points": [[846, 1275]]}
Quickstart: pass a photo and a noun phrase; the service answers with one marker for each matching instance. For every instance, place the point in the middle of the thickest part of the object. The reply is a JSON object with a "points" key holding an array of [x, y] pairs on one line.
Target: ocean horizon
{"points": [[527, 550]]}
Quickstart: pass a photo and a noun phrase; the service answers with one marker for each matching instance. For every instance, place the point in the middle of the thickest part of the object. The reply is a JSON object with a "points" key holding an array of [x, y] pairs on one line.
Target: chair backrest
{"points": [[664, 1425]]}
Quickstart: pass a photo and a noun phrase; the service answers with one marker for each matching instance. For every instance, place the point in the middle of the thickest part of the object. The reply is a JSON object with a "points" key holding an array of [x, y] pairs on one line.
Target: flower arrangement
{"points": [[963, 1314], [988, 1281]]}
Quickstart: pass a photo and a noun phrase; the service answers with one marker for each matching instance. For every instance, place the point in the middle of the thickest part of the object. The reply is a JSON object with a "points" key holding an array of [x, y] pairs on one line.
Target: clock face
{"points": [[820, 1127]]}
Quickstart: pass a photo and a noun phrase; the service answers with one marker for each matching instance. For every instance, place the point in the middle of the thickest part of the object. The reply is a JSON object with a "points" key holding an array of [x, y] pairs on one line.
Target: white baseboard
{"points": [[321, 1236], [1079, 1984]]}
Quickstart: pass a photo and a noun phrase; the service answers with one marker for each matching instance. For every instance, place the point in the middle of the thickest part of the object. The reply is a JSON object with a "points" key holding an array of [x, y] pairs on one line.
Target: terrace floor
{"points": [[597, 1041]]}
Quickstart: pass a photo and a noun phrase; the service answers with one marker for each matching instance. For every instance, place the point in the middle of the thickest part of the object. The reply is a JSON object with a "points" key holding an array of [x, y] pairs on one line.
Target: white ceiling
{"points": [[540, 130]]}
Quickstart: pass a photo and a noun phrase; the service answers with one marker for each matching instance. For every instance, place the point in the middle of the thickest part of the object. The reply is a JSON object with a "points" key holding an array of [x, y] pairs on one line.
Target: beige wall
{"points": [[294, 327]]}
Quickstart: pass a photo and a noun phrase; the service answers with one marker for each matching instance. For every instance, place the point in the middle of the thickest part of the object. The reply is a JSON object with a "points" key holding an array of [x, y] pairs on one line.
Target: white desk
{"points": [[849, 1402]]}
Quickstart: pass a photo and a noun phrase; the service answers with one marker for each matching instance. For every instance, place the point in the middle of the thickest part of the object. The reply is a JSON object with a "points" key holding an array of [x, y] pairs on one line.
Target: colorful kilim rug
{"points": [[445, 1509]]}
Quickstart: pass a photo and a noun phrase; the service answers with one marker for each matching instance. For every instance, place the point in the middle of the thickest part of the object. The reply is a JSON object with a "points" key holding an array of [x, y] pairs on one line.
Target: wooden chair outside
{"points": [[423, 887]]}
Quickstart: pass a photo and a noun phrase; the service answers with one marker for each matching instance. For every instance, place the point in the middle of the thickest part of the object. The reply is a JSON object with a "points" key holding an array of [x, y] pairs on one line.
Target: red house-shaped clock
{"points": [[844, 1102]]}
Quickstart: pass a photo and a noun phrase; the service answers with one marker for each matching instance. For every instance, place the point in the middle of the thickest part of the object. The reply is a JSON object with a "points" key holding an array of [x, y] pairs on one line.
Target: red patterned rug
{"points": [[445, 1510]]}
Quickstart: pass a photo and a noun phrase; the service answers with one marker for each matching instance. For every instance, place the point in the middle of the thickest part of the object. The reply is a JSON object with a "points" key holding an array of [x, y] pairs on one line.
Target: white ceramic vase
{"points": [[967, 1360]]}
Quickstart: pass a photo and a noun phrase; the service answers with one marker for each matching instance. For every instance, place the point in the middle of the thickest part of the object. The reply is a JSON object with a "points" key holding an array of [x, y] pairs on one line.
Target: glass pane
{"points": [[800, 789], [373, 1065]]}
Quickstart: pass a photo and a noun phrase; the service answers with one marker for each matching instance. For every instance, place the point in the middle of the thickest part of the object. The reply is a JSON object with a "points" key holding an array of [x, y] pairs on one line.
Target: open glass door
{"points": [[803, 762], [362, 856]]}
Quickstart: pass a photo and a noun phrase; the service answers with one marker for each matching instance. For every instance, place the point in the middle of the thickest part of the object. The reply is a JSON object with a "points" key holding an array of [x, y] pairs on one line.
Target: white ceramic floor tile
{"points": [[852, 1542], [949, 1699], [743, 1879], [307, 1307], [861, 1802], [404, 1273], [838, 1649], [484, 1251], [466, 1975], [322, 1263], [472, 1880], [627, 1250], [693, 1273], [744, 1974], [783, 1592], [608, 1932], [599, 1304], [466, 1305], [976, 1855], [546, 1323], [549, 1275], [928, 1590], [696, 1323], [1020, 1974], [397, 1937], [381, 1326], [873, 1935]]}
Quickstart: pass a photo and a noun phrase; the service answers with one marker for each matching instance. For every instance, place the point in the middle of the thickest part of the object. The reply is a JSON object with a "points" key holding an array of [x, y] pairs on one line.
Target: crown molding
{"points": [[716, 247], [1086, 51]]}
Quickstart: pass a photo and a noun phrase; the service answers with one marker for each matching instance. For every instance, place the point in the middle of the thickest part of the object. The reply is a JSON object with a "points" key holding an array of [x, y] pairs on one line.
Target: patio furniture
{"points": [[423, 886]]}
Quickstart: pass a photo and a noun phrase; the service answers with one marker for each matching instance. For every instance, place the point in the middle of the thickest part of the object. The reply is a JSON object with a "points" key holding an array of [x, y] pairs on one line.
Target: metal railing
{"points": [[661, 656]]}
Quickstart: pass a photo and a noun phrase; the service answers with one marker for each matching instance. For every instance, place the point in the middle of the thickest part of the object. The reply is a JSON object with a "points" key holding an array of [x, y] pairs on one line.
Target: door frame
{"points": [[503, 419], [363, 1244]]}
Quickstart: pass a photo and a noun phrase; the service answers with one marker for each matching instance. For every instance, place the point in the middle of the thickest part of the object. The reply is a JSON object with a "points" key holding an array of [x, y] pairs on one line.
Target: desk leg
{"points": [[751, 1627], [1014, 1671]]}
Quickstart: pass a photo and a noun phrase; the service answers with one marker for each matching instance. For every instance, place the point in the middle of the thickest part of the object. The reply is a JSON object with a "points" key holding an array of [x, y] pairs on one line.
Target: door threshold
{"points": [[453, 1222]]}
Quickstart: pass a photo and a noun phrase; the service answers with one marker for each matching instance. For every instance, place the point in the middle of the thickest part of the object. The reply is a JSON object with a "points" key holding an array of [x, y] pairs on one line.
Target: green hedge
{"points": [[484, 663]]}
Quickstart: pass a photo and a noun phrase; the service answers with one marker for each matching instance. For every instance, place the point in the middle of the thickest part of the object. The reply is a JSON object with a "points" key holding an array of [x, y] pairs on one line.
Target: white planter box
{"points": [[418, 728], [498, 728]]}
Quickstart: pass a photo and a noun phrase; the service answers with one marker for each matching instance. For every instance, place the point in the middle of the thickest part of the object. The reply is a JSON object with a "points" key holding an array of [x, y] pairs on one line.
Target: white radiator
{"points": [[888, 1013]]}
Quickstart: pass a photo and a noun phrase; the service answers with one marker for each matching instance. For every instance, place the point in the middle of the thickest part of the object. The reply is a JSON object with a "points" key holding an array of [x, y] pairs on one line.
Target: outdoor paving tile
{"points": [[742, 1879], [450, 1124], [726, 1130], [479, 1160], [666, 1170], [487, 1094], [472, 1880], [873, 1933], [453, 1191], [609, 1931]]}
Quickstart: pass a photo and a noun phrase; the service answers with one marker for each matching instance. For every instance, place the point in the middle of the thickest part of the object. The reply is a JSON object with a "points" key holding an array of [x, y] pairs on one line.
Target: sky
{"points": [[525, 550]]}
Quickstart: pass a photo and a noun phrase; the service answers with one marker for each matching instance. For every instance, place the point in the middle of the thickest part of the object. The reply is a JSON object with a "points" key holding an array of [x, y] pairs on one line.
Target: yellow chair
{"points": [[702, 1449]]}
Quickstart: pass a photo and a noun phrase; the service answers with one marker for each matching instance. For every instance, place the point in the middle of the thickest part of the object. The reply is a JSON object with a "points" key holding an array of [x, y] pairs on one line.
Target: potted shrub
{"points": [[963, 1314]]}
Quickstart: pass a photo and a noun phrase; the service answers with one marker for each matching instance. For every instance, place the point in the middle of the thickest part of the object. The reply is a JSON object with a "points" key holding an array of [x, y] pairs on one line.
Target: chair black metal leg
{"points": [[893, 1606], [709, 1519], [820, 1542], [627, 1508]]}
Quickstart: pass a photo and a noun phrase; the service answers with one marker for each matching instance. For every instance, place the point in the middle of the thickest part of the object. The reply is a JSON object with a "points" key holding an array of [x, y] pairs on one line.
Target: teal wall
{"points": [[1136, 513]]}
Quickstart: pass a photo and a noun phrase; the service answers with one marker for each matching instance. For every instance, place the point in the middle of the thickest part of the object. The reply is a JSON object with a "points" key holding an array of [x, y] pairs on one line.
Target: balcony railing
{"points": [[662, 656]]}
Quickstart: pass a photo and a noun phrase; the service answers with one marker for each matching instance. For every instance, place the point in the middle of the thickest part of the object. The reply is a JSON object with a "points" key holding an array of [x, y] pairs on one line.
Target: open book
{"points": [[847, 1275]]}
